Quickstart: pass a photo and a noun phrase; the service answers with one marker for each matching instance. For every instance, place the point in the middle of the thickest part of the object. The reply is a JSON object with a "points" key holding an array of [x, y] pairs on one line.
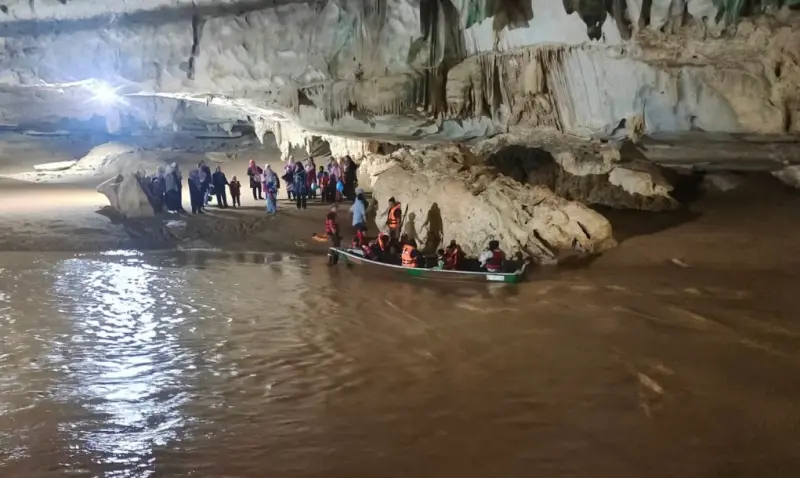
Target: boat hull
{"points": [[356, 257]]}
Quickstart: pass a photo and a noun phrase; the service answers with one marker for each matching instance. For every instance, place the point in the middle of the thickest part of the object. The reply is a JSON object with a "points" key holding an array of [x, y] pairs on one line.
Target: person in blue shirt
{"points": [[359, 212]]}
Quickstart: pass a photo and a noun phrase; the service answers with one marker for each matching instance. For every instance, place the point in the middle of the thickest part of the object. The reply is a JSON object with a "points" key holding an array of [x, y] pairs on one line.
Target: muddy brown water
{"points": [[253, 365]]}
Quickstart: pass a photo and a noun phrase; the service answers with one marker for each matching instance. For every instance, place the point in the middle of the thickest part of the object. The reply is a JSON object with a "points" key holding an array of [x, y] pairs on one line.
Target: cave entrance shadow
{"points": [[527, 165], [627, 224]]}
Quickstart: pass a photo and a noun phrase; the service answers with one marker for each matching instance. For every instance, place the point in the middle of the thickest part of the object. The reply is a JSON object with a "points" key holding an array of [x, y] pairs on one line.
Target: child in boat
{"points": [[454, 256]]}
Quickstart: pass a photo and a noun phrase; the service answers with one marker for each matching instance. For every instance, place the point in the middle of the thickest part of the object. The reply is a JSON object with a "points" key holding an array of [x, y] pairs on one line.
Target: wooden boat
{"points": [[356, 257]]}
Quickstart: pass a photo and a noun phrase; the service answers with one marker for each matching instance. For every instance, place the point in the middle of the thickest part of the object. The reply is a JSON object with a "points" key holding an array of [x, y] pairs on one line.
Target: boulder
{"points": [[106, 159], [445, 196], [126, 195]]}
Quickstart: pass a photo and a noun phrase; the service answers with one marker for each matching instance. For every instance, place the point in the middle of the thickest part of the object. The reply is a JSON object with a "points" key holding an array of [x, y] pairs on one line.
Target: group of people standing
{"points": [[166, 187], [203, 183], [329, 183]]}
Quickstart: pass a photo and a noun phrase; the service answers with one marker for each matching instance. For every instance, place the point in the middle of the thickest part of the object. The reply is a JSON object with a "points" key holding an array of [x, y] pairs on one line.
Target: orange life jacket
{"points": [[393, 222], [495, 264], [407, 258]]}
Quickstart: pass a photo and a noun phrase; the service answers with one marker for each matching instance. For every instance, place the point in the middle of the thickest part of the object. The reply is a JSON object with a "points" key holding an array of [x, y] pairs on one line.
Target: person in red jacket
{"points": [[236, 191], [493, 257], [332, 231], [453, 256]]}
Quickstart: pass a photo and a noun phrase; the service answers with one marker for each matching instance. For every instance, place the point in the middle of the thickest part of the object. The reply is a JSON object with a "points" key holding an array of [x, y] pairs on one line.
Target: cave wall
{"points": [[442, 70]]}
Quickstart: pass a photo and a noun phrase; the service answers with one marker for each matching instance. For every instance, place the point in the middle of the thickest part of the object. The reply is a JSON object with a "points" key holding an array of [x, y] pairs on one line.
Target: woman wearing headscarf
{"points": [[333, 169], [271, 185], [254, 172], [170, 187], [172, 184], [158, 187], [311, 178], [288, 176], [300, 188], [195, 182], [205, 180], [350, 178]]}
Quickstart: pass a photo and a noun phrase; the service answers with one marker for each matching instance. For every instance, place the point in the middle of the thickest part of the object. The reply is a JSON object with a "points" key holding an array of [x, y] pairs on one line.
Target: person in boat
{"points": [[394, 220], [379, 248], [410, 256], [441, 261], [359, 241], [453, 256], [332, 231], [493, 257]]}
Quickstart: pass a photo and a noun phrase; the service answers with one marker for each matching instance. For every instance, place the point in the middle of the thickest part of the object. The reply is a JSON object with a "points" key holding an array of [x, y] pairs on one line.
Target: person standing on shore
{"points": [[311, 178], [236, 192], [220, 181], [350, 178], [288, 176], [172, 182], [195, 182], [271, 186], [205, 179], [254, 172], [300, 188]]}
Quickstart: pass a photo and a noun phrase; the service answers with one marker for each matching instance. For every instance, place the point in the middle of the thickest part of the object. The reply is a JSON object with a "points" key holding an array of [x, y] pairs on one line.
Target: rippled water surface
{"points": [[250, 365]]}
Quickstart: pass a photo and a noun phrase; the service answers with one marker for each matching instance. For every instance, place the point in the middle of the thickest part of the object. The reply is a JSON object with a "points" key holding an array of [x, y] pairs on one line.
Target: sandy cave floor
{"points": [[74, 217]]}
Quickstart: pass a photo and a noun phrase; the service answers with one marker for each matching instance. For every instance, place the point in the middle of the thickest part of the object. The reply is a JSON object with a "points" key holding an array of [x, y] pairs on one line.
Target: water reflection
{"points": [[125, 364]]}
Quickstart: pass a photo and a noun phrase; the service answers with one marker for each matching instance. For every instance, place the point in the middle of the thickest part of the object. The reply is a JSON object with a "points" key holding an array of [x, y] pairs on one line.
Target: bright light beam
{"points": [[105, 94]]}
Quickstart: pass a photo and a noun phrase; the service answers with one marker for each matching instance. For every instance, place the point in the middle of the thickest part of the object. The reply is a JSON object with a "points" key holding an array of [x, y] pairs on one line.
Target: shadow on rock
{"points": [[435, 236]]}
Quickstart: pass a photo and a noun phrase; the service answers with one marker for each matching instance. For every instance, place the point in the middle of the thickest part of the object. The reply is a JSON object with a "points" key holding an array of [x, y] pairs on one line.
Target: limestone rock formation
{"points": [[347, 74], [127, 196], [445, 198], [400, 70]]}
